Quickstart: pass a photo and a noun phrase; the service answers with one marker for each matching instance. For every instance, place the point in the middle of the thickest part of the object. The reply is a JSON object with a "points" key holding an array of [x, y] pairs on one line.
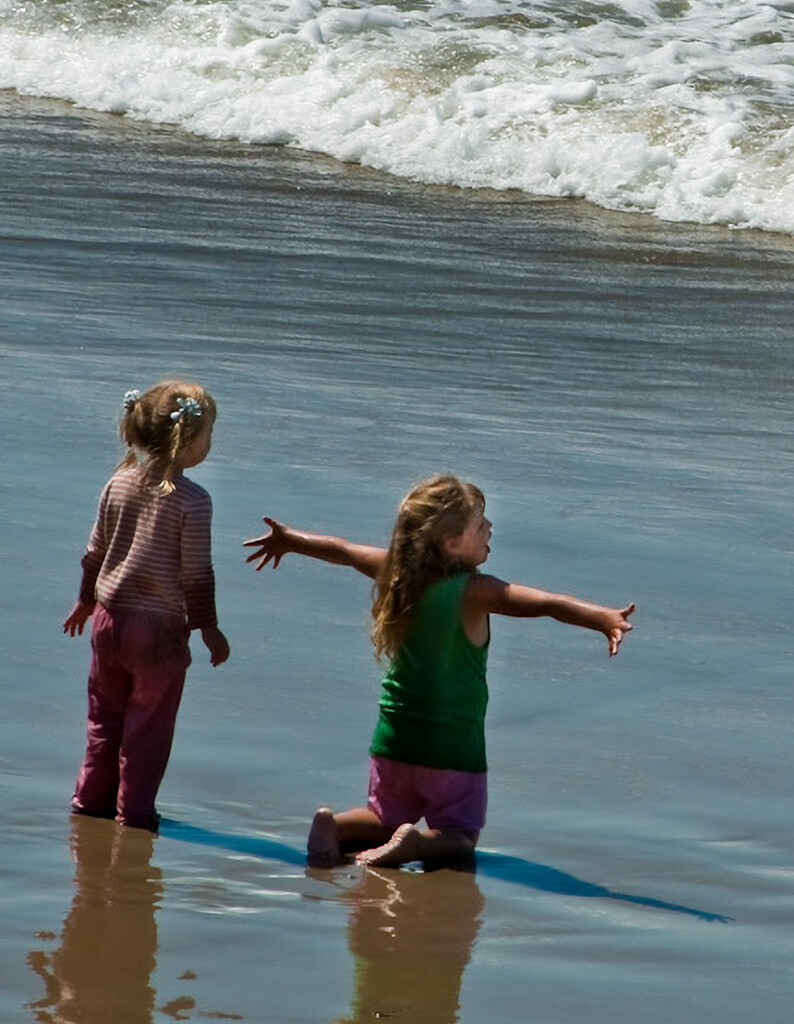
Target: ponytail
{"points": [[159, 424]]}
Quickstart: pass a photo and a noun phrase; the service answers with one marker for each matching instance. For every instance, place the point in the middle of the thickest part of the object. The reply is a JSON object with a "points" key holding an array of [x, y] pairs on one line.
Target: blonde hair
{"points": [[149, 426], [433, 511]]}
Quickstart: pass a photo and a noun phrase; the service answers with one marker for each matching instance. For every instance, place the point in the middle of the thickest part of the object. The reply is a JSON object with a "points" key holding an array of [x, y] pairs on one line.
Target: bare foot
{"points": [[405, 845], [323, 846]]}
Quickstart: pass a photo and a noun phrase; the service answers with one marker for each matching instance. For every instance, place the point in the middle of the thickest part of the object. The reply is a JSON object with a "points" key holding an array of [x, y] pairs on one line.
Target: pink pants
{"points": [[446, 799], [138, 666]]}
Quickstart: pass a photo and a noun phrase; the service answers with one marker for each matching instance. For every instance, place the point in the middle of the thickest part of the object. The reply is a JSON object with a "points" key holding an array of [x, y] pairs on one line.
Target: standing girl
{"points": [[148, 581], [431, 620]]}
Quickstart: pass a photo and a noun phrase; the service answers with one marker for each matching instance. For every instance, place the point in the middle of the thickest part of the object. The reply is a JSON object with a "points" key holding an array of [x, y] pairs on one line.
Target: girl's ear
{"points": [[451, 546]]}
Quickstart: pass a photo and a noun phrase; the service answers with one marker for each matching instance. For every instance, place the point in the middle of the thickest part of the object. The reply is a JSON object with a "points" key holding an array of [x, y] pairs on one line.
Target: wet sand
{"points": [[622, 391]]}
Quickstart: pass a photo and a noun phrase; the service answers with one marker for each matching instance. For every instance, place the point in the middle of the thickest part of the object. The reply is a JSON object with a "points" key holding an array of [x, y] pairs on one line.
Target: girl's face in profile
{"points": [[471, 546]]}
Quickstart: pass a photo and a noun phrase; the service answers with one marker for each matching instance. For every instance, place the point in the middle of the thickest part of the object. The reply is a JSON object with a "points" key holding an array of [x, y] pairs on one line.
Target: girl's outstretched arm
{"points": [[487, 594], [283, 539]]}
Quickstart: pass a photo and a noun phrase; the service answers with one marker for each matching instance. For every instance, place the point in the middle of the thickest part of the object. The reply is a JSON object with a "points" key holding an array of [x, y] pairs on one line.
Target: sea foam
{"points": [[679, 110]]}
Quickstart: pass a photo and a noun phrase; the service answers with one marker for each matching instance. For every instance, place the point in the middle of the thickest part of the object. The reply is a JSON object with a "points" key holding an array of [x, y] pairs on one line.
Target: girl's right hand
{"points": [[216, 643], [271, 546]]}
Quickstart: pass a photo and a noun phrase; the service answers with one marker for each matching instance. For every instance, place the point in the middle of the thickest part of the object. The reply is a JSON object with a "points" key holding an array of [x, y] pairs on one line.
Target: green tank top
{"points": [[432, 708]]}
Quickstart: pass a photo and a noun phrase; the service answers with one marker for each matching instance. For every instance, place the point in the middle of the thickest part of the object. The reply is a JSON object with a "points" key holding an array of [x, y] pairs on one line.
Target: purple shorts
{"points": [[446, 799]]}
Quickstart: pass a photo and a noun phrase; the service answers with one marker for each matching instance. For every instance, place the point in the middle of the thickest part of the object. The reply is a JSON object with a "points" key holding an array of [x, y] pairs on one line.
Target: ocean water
{"points": [[678, 108], [620, 387]]}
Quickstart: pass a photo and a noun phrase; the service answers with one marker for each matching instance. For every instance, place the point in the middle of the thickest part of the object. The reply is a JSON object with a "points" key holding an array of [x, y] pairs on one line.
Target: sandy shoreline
{"points": [[622, 390]]}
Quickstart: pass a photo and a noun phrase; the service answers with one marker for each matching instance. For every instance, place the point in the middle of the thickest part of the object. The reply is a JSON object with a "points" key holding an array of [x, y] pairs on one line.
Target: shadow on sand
{"points": [[543, 878], [515, 870], [254, 846]]}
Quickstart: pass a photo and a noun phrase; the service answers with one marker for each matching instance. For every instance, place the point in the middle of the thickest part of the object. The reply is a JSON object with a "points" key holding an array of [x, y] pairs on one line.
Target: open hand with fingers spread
{"points": [[271, 547]]}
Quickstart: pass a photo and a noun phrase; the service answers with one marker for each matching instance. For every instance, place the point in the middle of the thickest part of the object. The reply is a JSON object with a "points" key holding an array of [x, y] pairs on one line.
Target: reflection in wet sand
{"points": [[411, 935], [101, 972]]}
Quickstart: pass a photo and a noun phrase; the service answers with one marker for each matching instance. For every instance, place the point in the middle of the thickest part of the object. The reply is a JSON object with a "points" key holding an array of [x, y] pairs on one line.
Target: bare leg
{"points": [[408, 843], [330, 832]]}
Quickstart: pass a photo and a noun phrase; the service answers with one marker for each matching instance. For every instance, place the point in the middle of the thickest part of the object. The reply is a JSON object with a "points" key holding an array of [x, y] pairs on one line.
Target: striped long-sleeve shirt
{"points": [[151, 552]]}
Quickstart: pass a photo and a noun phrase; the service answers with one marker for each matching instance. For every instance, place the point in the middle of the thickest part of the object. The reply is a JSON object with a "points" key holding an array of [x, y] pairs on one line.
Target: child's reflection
{"points": [[411, 936], [101, 972]]}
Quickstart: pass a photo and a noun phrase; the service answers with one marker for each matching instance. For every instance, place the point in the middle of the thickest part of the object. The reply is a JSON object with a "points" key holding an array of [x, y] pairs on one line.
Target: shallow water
{"points": [[621, 390]]}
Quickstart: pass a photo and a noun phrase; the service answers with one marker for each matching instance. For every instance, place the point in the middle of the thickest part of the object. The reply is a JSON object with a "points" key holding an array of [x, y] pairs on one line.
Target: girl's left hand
{"points": [[77, 618], [618, 627]]}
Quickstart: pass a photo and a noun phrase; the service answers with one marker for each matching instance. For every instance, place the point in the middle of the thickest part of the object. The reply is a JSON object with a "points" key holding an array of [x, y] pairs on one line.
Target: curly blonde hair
{"points": [[433, 511], [147, 426]]}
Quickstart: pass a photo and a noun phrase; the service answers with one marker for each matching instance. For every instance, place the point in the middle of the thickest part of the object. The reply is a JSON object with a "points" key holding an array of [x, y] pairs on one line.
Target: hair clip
{"points": [[130, 398], [187, 407]]}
